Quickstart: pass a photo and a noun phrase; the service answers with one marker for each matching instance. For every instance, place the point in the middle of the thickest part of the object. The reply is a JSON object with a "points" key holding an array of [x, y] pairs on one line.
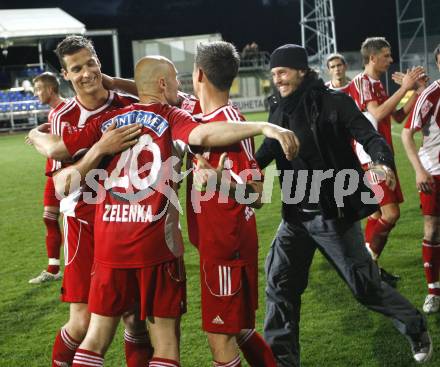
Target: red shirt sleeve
{"points": [[421, 113], [181, 123], [79, 140]]}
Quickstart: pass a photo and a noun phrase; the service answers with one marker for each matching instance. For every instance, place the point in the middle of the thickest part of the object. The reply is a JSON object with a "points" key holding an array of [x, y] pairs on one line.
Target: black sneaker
{"points": [[421, 346], [390, 279]]}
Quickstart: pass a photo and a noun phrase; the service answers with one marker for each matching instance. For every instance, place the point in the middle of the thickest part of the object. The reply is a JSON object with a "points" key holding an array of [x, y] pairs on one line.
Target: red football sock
{"points": [[138, 349], [369, 228], [87, 358], [234, 363], [162, 362], [255, 350], [63, 349], [53, 241], [379, 236], [431, 264]]}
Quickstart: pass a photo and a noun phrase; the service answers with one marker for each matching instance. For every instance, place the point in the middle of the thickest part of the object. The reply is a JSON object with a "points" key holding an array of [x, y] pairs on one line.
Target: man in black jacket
{"points": [[324, 197]]}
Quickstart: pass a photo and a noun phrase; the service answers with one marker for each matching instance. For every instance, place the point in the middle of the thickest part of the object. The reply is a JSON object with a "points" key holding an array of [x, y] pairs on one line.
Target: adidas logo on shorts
{"points": [[61, 364], [217, 320]]}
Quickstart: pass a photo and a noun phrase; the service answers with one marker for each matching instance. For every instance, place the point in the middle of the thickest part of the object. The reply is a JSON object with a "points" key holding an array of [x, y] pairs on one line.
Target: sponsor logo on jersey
{"points": [[425, 108], [188, 105], [148, 119]]}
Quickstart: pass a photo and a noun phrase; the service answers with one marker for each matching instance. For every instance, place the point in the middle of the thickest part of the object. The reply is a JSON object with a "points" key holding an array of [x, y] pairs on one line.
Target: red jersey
{"points": [[51, 164], [191, 104], [363, 90], [72, 117], [345, 89], [425, 116], [132, 225], [222, 224]]}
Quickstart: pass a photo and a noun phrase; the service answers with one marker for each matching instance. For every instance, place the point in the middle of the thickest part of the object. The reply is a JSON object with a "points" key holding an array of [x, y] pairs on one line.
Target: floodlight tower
{"points": [[411, 27], [318, 30]]}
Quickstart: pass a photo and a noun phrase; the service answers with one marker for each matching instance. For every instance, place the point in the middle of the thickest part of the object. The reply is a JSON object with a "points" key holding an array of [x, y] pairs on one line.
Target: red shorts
{"points": [[49, 194], [430, 203], [382, 192], [229, 295], [78, 258], [159, 289]]}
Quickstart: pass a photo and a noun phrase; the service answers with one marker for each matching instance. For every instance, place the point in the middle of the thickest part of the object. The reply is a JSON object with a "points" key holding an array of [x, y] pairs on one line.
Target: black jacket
{"points": [[325, 122]]}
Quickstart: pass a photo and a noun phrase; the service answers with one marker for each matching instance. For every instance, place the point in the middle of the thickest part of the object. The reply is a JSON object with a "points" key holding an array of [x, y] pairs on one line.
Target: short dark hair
{"points": [[372, 46], [49, 79], [436, 52], [219, 61], [335, 56], [71, 45]]}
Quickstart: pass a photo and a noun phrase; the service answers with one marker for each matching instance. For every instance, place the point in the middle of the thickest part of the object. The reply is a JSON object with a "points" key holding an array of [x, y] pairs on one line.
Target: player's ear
{"points": [[200, 75], [64, 72], [162, 83]]}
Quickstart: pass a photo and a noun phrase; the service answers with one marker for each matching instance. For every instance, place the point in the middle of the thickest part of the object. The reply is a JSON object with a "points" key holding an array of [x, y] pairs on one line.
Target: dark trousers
{"points": [[287, 268]]}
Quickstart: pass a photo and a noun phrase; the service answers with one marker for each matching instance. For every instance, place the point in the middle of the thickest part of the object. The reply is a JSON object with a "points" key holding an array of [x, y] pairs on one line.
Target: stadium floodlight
{"points": [[318, 33]]}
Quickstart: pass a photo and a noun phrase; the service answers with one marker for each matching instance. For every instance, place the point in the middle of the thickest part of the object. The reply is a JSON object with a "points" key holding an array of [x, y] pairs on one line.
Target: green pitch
{"points": [[335, 330]]}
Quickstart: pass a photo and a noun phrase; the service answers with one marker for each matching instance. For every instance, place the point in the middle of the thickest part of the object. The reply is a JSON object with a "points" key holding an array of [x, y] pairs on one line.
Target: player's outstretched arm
{"points": [[387, 108], [224, 133], [124, 85]]}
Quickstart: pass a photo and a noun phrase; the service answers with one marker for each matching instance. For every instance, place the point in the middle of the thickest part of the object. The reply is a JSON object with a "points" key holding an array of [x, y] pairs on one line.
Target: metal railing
{"points": [[21, 115]]}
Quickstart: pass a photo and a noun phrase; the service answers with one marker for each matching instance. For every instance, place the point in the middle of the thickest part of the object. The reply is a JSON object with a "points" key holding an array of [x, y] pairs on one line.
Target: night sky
{"points": [[270, 23]]}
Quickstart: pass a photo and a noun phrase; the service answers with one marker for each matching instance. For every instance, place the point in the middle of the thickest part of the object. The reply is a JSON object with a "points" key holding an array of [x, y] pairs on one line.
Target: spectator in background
{"points": [[249, 54]]}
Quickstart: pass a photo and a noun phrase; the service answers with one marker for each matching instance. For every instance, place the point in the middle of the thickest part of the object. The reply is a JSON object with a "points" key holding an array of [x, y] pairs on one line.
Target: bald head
{"points": [[151, 72]]}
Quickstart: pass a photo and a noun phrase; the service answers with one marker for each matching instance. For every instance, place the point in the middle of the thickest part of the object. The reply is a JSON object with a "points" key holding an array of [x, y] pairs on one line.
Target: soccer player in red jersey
{"points": [[255, 350], [228, 250], [337, 68], [425, 118], [80, 66], [136, 257], [371, 98], [46, 88]]}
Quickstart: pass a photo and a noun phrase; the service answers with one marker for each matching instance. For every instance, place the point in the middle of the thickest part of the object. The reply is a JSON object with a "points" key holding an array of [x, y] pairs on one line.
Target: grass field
{"points": [[335, 330]]}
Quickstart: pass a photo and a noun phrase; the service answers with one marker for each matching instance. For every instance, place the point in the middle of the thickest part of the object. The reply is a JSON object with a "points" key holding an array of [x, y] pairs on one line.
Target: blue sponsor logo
{"points": [[148, 119]]}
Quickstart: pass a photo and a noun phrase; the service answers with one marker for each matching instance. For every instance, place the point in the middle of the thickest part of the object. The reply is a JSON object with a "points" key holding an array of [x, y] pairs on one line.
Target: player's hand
{"points": [[204, 173], [287, 139], [397, 77], [115, 140], [411, 77], [384, 173], [28, 140], [40, 129], [424, 181]]}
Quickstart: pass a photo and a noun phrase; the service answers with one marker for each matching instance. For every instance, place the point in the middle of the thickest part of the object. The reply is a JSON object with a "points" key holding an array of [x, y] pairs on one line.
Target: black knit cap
{"points": [[291, 56]]}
